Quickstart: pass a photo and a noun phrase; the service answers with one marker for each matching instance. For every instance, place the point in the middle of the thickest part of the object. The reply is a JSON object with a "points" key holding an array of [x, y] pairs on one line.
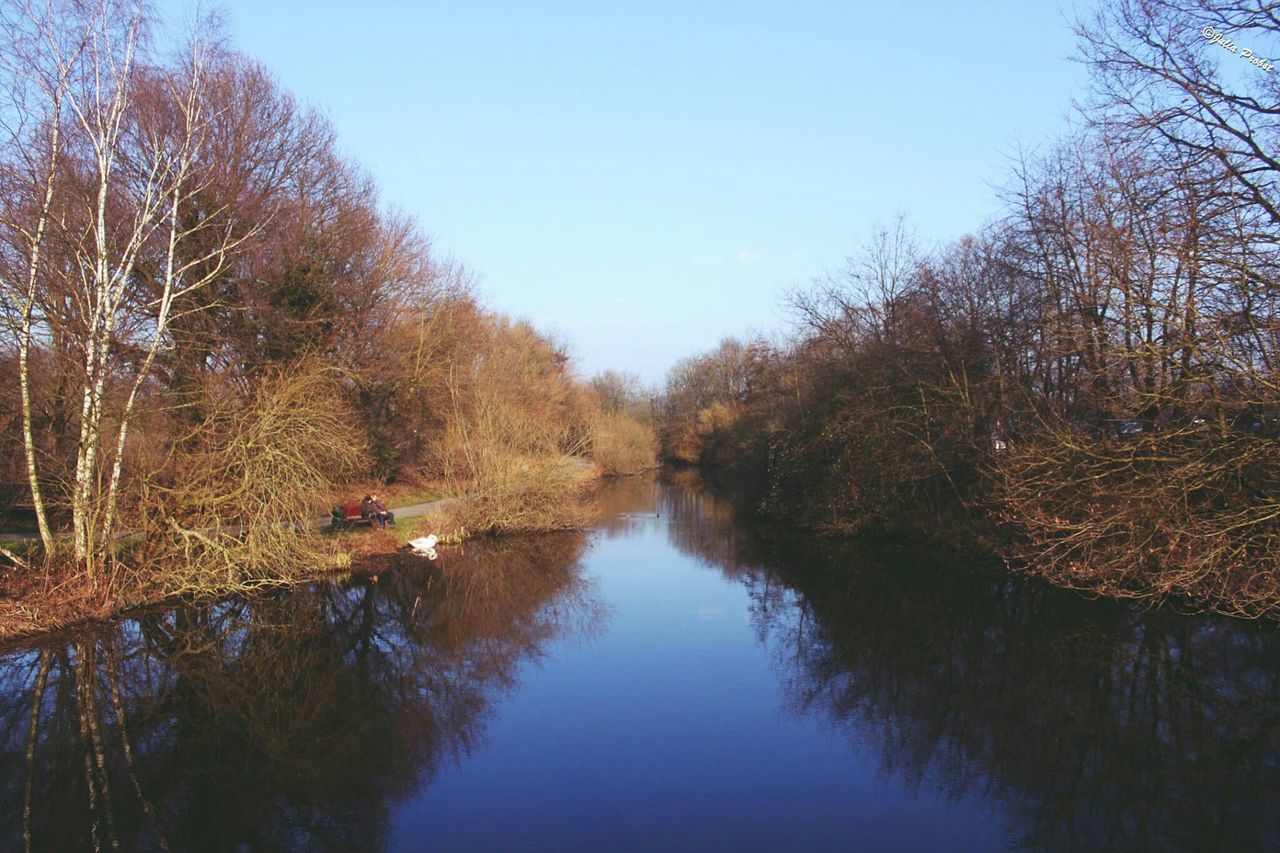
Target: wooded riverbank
{"points": [[36, 603], [214, 326], [1090, 383]]}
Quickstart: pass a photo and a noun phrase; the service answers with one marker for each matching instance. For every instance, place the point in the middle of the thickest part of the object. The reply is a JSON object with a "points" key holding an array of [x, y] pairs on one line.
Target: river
{"points": [[676, 678]]}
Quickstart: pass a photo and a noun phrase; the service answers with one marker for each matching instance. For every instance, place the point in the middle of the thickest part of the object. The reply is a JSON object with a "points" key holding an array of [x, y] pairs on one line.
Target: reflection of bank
{"points": [[626, 504], [1094, 725], [290, 720]]}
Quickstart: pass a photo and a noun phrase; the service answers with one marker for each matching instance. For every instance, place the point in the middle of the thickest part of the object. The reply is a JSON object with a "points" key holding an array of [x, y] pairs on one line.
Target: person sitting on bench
{"points": [[375, 509]]}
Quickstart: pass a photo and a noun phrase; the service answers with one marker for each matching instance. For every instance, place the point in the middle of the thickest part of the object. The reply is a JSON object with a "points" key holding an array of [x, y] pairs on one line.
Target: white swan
{"points": [[425, 546]]}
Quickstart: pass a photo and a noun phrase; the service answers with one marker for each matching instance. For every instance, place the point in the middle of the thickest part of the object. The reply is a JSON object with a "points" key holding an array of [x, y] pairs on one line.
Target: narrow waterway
{"points": [[674, 679]]}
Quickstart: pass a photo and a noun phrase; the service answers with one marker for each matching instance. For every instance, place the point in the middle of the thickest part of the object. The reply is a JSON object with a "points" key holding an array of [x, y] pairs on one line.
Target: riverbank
{"points": [[550, 495], [971, 536]]}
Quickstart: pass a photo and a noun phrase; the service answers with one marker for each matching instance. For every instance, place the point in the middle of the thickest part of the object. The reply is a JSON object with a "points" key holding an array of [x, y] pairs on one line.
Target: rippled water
{"points": [[675, 679]]}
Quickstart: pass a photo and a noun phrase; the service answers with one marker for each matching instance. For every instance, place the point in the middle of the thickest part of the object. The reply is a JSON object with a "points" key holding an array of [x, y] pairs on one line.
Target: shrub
{"points": [[620, 444], [1172, 514], [235, 508], [523, 494]]}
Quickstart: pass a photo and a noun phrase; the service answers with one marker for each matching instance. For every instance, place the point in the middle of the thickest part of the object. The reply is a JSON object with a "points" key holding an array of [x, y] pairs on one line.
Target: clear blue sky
{"points": [[642, 179]]}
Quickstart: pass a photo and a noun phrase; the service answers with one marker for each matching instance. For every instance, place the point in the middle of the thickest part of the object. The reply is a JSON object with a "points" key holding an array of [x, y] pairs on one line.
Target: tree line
{"points": [[212, 322], [1089, 383]]}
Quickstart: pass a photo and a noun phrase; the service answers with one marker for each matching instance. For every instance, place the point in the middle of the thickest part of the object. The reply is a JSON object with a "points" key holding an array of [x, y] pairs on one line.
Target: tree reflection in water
{"points": [[627, 505], [302, 719], [292, 720], [1094, 725]]}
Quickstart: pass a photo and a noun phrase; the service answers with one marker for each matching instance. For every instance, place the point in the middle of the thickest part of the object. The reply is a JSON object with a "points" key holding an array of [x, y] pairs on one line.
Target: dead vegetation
{"points": [[235, 503], [621, 444], [513, 446], [1189, 515], [525, 495]]}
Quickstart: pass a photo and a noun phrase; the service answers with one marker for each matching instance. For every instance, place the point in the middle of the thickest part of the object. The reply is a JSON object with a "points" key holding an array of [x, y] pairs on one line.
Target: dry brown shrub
{"points": [[1181, 515], [622, 445], [515, 425], [523, 495], [238, 507], [510, 391]]}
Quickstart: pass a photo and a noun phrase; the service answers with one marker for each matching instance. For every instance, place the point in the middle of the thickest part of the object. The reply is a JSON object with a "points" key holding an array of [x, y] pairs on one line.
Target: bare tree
{"points": [[117, 135], [617, 389], [1173, 69]]}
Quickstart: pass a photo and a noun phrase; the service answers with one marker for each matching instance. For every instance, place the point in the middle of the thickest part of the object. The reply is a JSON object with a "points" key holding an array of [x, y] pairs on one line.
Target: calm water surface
{"points": [[676, 679]]}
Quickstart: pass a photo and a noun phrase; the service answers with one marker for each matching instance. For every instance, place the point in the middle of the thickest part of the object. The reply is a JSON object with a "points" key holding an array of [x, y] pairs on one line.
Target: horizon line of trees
{"points": [[1091, 382]]}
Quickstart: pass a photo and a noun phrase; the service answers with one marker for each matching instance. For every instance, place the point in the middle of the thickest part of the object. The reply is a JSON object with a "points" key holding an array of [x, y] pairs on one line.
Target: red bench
{"points": [[348, 515]]}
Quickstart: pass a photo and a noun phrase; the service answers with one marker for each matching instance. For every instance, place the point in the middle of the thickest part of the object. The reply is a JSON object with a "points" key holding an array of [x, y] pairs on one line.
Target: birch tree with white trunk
{"points": [[100, 159]]}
